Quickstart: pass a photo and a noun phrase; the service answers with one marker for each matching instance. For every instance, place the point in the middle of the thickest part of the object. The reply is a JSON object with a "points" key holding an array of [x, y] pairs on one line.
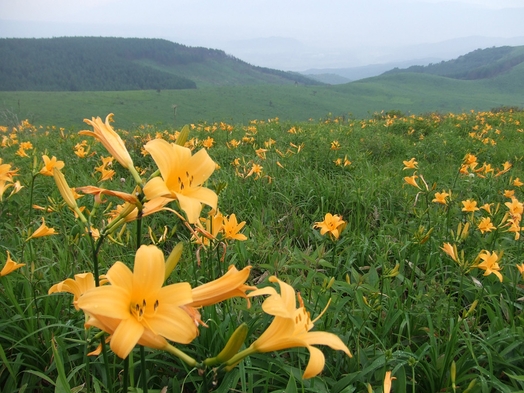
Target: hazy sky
{"points": [[265, 31]]}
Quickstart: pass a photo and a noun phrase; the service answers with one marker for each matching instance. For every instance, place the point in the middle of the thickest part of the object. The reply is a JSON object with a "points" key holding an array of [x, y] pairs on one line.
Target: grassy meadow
{"points": [[400, 233], [411, 93]]}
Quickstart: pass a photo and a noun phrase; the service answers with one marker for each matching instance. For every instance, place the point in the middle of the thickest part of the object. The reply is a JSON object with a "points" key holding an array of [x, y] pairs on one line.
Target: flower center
{"points": [[185, 181], [139, 309], [303, 318]]}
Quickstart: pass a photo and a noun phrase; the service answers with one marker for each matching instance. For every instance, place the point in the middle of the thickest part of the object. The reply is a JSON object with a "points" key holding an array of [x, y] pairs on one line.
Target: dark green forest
{"points": [[479, 64], [109, 64]]}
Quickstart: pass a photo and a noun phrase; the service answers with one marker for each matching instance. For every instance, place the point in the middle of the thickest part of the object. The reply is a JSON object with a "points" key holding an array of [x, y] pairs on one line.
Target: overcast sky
{"points": [[283, 34]]}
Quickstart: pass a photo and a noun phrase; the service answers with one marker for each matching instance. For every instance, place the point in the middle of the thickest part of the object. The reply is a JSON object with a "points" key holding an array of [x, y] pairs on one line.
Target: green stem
{"points": [[87, 362], [143, 368], [142, 350], [181, 355], [95, 248], [106, 364], [232, 362], [126, 375]]}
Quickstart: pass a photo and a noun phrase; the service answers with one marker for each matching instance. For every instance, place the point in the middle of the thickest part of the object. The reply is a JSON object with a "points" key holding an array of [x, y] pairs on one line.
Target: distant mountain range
{"points": [[478, 64], [112, 64], [117, 64]]}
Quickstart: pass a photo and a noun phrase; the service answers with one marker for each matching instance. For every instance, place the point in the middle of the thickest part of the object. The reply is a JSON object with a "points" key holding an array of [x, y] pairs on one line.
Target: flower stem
{"points": [[232, 362], [143, 368], [181, 355]]}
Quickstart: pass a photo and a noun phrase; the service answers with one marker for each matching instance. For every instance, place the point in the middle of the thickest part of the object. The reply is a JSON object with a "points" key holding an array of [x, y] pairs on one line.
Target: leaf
{"points": [[291, 385], [61, 385]]}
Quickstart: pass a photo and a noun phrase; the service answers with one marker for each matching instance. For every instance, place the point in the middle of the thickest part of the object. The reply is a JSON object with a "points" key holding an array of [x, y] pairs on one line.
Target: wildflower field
{"points": [[337, 255]]}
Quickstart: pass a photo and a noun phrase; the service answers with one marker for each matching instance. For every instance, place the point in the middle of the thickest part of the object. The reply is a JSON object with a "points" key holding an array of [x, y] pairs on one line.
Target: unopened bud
{"points": [[232, 346], [173, 258]]}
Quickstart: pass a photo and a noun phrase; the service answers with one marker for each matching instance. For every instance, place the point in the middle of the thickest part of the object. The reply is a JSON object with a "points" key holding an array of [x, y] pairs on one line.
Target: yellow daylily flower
{"points": [[231, 284], [440, 197], [10, 266], [485, 225], [4, 185], [490, 263], [104, 133], [388, 379], [42, 230], [487, 207], [514, 226], [256, 169], [208, 142], [412, 181], [469, 205], [515, 207], [335, 145], [411, 164], [136, 308], [214, 224], [232, 228], [77, 286], [450, 250], [6, 173], [290, 328], [182, 176], [332, 224], [50, 165], [521, 269]]}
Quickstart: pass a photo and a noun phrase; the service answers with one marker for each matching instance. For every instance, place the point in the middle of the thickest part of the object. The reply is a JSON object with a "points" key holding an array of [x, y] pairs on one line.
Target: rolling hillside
{"points": [[479, 64], [411, 93], [407, 91], [117, 64]]}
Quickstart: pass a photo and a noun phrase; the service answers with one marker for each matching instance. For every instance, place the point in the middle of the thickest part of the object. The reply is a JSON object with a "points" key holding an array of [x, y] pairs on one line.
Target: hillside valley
{"points": [[208, 85]]}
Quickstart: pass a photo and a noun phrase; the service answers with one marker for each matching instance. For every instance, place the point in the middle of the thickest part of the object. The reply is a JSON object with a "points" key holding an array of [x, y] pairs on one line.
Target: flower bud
{"points": [[233, 345]]}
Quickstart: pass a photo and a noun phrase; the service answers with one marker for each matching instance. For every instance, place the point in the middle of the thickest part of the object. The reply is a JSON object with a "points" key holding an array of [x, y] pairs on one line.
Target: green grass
{"points": [[396, 299], [409, 93]]}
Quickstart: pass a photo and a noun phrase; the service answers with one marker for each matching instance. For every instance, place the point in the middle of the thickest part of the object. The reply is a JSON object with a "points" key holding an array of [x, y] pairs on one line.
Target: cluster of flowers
{"points": [[6, 180], [511, 220], [134, 306]]}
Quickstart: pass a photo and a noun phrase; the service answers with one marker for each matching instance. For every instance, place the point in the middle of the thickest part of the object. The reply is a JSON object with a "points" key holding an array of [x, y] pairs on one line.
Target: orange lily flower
{"points": [[10, 266]]}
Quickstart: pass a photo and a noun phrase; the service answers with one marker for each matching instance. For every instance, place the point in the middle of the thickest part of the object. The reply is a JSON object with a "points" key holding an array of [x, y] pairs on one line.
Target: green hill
{"points": [[479, 64], [409, 92], [117, 64]]}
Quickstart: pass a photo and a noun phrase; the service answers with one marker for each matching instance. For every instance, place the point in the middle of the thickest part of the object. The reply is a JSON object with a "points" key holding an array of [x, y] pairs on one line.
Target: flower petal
{"points": [[149, 270], [126, 336], [221, 288], [175, 295], [287, 292], [155, 188], [108, 300], [119, 275], [315, 364], [166, 156], [174, 324], [202, 166], [324, 338], [277, 336]]}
